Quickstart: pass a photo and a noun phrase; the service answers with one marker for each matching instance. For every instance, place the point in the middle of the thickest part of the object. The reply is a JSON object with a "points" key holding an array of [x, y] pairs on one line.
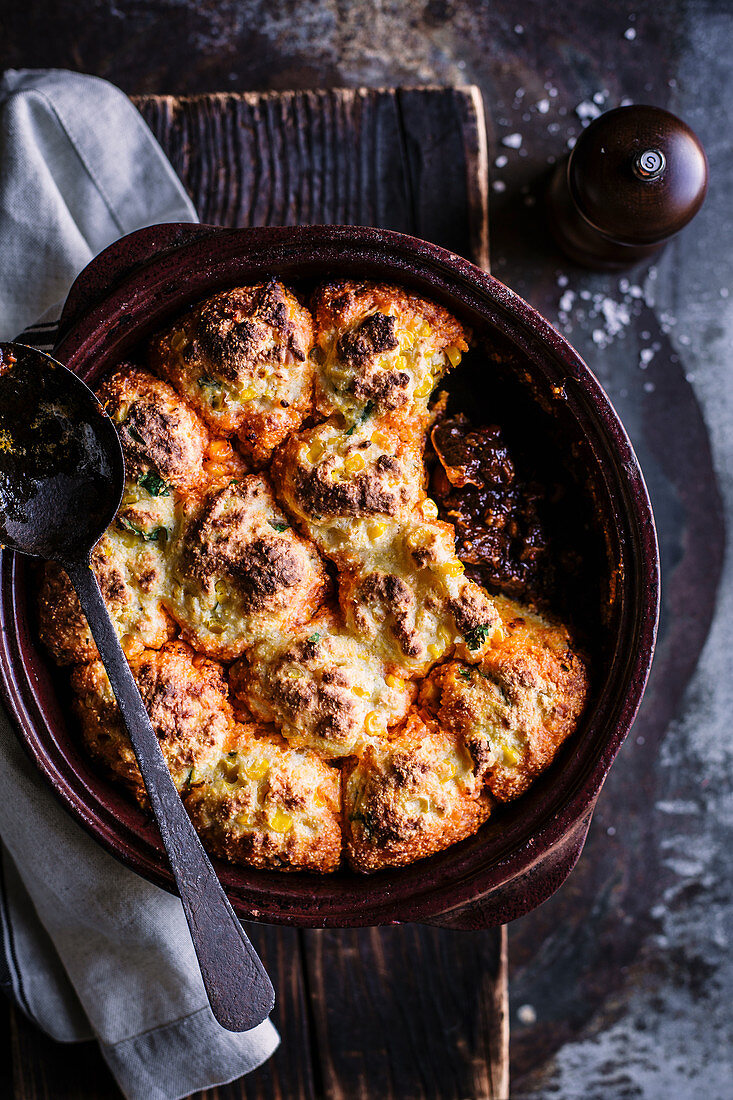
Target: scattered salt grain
{"points": [[724, 292], [499, 185], [519, 29], [543, 106], [587, 110], [630, 34], [562, 280], [566, 302], [512, 141], [501, 162], [649, 387], [600, 98], [616, 315], [526, 1014], [645, 357]]}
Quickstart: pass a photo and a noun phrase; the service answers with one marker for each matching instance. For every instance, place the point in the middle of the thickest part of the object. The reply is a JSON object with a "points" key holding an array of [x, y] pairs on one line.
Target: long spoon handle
{"points": [[238, 988]]}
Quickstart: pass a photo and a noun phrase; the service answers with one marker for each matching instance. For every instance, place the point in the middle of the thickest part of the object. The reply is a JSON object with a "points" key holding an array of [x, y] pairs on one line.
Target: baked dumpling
{"points": [[240, 572], [339, 484], [381, 349], [130, 564], [163, 441], [268, 805], [514, 709], [186, 697], [242, 360], [410, 797], [410, 600], [322, 688]]}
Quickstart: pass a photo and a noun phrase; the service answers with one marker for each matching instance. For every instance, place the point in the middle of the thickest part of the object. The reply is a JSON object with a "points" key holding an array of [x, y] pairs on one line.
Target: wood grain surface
{"points": [[414, 160], [396, 1013]]}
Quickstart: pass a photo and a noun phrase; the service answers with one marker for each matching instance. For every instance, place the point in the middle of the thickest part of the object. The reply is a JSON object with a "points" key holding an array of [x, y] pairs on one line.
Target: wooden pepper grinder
{"points": [[636, 176]]}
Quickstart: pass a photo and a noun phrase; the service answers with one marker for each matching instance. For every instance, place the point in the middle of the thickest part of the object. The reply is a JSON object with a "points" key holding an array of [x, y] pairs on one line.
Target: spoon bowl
{"points": [[61, 466]]}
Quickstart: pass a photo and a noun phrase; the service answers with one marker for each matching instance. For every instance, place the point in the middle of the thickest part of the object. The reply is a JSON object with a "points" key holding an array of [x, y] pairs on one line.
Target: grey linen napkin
{"points": [[88, 948]]}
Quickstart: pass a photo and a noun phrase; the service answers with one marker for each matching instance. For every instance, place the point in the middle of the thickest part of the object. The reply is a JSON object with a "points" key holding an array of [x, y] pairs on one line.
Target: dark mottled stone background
{"points": [[621, 985]]}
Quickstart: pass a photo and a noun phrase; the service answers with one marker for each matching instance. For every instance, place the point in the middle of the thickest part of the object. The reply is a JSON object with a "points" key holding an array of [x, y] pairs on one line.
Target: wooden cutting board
{"points": [[398, 1013], [411, 159]]}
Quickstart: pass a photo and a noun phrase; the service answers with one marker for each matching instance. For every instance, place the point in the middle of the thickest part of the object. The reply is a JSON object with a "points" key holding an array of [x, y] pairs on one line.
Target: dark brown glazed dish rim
{"points": [[150, 276]]}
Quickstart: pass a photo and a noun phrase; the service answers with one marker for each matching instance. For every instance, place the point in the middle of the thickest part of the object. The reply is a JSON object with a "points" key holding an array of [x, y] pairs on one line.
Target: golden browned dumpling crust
{"points": [[240, 572], [242, 360], [410, 797], [322, 688], [268, 805], [163, 440], [186, 698], [62, 625], [382, 349], [514, 709]]}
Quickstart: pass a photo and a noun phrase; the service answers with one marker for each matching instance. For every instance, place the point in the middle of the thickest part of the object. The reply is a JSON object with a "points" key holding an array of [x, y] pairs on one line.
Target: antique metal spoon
{"points": [[61, 480]]}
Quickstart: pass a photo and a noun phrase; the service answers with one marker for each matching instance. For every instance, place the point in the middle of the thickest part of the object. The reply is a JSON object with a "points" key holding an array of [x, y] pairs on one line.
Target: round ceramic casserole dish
{"points": [[520, 856]]}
